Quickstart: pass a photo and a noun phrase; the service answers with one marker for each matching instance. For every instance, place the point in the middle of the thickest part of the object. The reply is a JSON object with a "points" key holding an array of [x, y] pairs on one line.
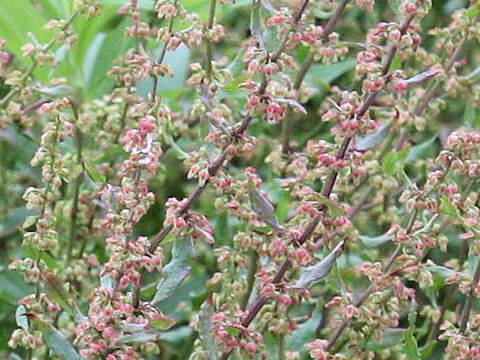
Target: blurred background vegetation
{"points": [[101, 41]]}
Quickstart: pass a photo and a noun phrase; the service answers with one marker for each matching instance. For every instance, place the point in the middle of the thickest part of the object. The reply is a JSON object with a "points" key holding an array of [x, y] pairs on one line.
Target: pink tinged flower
{"points": [[251, 347], [278, 247], [275, 20], [180, 222], [466, 236], [125, 307]]}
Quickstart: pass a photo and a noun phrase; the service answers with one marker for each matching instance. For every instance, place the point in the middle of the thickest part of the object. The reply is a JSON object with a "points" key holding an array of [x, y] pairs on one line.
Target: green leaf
{"points": [[420, 151], [389, 338], [57, 293], [94, 174], [262, 206], [395, 6], [373, 241], [321, 74], [91, 57], [448, 208], [394, 162], [334, 209], [21, 318], [469, 115], [55, 340], [56, 91], [163, 323], [176, 271], [411, 347], [306, 332], [372, 140], [321, 269], [472, 12], [140, 337], [205, 329], [233, 331], [256, 23], [111, 154]]}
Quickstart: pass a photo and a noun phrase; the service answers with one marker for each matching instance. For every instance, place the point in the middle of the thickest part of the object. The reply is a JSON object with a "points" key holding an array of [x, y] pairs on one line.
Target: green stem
{"points": [[76, 193], [252, 269], [211, 18]]}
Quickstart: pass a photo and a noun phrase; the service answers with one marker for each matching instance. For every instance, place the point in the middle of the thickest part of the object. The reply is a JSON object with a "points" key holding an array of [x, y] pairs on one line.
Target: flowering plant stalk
{"points": [[245, 179]]}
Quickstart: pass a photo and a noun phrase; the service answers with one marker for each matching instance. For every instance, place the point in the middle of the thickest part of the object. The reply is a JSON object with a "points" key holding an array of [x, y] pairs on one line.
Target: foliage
{"points": [[258, 179]]}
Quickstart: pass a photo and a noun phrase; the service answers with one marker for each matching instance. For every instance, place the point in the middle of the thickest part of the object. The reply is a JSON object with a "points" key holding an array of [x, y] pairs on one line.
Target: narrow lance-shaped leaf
{"points": [[320, 270], [205, 329], [175, 271], [57, 293], [294, 104], [263, 207], [372, 241], [372, 140], [419, 78], [55, 340], [256, 25], [21, 318]]}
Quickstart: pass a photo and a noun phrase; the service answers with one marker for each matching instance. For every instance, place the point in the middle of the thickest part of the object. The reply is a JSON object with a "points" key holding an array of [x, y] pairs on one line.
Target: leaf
{"points": [[21, 318], [420, 78], [94, 174], [56, 91], [256, 24], [389, 338], [394, 162], [411, 346], [320, 14], [373, 241], [269, 6], [469, 115], [205, 329], [320, 74], [442, 271], [55, 340], [420, 151], [139, 337], [372, 140], [448, 208], [176, 271], [335, 210], [321, 269], [111, 154], [233, 330], [294, 104], [162, 323], [16, 218], [395, 6], [91, 56], [306, 332], [57, 293], [263, 207]]}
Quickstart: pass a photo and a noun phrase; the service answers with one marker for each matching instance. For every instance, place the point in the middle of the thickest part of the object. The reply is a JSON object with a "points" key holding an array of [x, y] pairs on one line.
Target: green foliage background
{"points": [[100, 42]]}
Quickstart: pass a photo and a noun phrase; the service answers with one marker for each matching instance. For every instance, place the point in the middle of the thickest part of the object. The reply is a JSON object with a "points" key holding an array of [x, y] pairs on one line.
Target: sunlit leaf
{"points": [[94, 174], [162, 323]]}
